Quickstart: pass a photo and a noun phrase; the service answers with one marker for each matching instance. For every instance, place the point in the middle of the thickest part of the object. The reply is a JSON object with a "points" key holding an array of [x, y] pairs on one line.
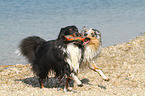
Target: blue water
{"points": [[118, 20]]}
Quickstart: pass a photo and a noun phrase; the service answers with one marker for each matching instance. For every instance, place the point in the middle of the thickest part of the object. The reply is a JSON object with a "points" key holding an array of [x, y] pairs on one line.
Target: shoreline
{"points": [[123, 63]]}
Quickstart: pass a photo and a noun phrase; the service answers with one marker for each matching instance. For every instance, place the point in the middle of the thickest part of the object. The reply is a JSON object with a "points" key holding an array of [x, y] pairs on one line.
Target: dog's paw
{"points": [[80, 85], [107, 79]]}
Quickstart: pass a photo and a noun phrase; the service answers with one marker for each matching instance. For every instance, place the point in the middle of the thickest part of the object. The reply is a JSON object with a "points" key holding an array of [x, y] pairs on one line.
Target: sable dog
{"points": [[92, 50], [60, 55]]}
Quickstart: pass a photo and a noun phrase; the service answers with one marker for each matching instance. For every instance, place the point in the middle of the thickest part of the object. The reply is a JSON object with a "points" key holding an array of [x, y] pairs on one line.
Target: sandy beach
{"points": [[123, 63]]}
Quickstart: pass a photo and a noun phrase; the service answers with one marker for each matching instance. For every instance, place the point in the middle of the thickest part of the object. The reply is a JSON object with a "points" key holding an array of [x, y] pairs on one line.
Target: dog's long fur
{"points": [[92, 50], [58, 55]]}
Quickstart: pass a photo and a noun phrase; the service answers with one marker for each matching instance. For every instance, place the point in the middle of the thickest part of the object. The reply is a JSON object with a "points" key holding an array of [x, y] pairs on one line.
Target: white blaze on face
{"points": [[74, 56]]}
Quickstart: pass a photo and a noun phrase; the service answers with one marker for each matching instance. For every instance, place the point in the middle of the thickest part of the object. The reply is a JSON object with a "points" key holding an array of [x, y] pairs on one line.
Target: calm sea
{"points": [[118, 20]]}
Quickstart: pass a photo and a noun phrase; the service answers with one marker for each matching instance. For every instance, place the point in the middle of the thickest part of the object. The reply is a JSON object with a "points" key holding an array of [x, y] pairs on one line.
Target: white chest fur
{"points": [[91, 53], [74, 57]]}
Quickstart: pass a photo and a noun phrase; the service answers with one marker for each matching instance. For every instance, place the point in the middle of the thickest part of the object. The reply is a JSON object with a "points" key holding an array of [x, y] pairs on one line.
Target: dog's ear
{"points": [[61, 33], [97, 34]]}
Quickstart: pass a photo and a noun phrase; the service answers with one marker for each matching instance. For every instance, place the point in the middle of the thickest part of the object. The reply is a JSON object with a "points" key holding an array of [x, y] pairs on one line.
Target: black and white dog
{"points": [[59, 55]]}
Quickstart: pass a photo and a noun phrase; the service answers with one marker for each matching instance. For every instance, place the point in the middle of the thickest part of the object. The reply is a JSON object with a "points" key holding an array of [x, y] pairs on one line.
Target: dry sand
{"points": [[123, 63]]}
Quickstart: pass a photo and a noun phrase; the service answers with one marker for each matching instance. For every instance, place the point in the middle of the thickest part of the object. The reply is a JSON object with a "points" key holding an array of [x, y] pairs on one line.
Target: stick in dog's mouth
{"points": [[82, 42], [77, 40]]}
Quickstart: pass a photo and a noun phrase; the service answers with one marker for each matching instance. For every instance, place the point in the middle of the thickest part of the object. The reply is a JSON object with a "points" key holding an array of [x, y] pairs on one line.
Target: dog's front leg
{"points": [[93, 66], [79, 83], [41, 83]]}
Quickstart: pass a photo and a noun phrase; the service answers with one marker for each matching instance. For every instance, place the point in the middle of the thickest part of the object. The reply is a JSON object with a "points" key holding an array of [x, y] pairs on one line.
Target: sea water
{"points": [[118, 21]]}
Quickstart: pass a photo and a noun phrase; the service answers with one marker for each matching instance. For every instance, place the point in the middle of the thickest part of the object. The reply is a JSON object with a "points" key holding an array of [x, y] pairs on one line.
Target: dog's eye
{"points": [[92, 35], [85, 34]]}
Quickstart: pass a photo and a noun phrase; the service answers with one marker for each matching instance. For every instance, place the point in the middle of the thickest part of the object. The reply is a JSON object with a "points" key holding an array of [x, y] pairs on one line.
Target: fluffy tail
{"points": [[29, 46]]}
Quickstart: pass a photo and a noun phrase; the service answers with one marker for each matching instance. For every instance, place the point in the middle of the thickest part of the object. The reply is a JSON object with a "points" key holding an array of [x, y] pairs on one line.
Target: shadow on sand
{"points": [[50, 82]]}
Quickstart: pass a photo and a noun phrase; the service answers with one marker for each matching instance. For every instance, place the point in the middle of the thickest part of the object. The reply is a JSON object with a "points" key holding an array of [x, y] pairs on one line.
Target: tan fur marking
{"points": [[95, 67], [41, 85], [66, 84]]}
